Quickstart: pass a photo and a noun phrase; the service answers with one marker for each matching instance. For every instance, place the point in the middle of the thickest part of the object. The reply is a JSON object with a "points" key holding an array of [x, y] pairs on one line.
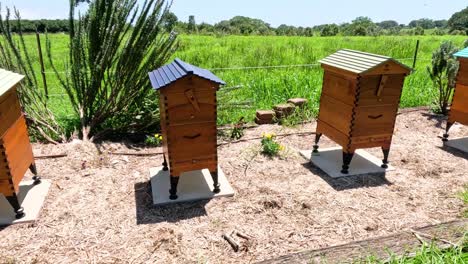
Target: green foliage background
{"points": [[265, 87]]}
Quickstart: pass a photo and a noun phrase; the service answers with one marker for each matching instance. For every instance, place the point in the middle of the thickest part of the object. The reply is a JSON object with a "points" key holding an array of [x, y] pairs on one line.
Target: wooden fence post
{"points": [[41, 61], [416, 54]]}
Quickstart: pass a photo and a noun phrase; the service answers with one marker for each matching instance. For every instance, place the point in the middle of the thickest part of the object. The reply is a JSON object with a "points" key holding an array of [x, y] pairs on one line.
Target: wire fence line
{"points": [[311, 65]]}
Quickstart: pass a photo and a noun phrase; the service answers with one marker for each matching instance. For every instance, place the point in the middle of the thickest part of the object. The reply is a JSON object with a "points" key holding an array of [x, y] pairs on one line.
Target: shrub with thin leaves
{"points": [[113, 46], [443, 74], [15, 56]]}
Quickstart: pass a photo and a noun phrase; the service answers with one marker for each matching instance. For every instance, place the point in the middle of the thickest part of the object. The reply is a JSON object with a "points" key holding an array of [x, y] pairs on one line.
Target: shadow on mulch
{"points": [[147, 213], [454, 151], [439, 119], [350, 182]]}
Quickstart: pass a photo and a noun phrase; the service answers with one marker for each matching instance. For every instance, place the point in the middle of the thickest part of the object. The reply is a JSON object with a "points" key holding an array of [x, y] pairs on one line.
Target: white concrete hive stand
{"points": [[193, 186], [330, 161], [32, 199], [460, 144]]}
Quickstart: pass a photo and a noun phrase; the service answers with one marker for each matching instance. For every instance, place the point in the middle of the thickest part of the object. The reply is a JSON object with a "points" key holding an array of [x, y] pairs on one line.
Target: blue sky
{"points": [[291, 12]]}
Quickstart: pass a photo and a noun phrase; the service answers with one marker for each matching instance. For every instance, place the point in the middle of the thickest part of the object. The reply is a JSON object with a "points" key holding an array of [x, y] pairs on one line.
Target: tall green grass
{"points": [[265, 87], [428, 254]]}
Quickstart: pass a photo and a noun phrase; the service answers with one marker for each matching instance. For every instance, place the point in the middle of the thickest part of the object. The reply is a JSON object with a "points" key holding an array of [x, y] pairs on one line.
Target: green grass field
{"points": [[265, 87]]}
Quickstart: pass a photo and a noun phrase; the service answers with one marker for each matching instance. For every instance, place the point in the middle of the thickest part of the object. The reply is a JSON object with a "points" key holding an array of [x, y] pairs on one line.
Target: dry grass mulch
{"points": [[99, 208]]}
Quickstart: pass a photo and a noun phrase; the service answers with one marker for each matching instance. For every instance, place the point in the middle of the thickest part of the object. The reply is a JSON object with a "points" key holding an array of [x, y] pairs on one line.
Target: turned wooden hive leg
{"points": [[216, 185], [13, 200], [173, 190], [446, 135], [165, 168], [386, 152], [317, 139], [347, 157], [36, 178]]}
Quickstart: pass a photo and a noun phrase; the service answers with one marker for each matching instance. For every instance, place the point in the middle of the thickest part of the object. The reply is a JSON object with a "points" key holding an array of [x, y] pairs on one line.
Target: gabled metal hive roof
{"points": [[357, 61], [172, 72], [8, 80], [462, 53]]}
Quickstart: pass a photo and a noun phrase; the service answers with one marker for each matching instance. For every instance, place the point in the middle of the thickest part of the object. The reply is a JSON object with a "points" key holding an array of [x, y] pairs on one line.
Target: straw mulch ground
{"points": [[99, 208]]}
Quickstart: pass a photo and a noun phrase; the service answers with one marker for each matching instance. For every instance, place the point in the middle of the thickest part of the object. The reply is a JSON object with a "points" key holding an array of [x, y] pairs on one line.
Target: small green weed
{"points": [[154, 141], [270, 147], [238, 130]]}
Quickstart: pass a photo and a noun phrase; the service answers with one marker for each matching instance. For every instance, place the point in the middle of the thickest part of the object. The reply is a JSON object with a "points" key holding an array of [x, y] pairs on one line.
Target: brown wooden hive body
{"points": [[459, 108], [359, 111], [16, 154], [189, 125]]}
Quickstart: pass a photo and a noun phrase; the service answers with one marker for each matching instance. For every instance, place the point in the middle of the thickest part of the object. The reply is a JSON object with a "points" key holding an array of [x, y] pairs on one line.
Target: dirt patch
{"points": [[99, 208]]}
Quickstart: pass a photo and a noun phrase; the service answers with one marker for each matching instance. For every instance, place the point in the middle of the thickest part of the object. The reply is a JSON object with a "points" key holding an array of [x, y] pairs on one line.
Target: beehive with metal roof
{"points": [[188, 113], [459, 108], [462, 53], [363, 63], [176, 70], [359, 102], [16, 155], [8, 80]]}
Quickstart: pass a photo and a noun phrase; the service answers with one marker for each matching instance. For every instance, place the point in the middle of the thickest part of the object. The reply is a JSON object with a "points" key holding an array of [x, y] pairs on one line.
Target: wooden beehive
{"points": [[188, 111], [459, 109], [16, 155], [359, 102]]}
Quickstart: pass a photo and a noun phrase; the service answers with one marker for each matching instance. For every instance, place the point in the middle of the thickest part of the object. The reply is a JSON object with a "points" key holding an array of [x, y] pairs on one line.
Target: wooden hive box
{"points": [[359, 102], [16, 155], [459, 109], [188, 112]]}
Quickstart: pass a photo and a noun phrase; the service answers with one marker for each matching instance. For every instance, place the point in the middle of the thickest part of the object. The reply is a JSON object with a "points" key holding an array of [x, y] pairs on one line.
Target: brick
{"points": [[284, 110], [265, 114], [300, 102], [263, 121]]}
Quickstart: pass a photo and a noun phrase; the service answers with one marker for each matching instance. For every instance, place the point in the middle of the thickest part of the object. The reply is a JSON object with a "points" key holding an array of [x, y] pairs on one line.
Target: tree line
{"points": [[240, 25], [42, 25], [361, 26]]}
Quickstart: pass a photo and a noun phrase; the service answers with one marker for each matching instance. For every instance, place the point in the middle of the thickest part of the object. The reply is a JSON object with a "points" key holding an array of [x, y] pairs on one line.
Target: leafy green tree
{"points": [[441, 23], [443, 74], [169, 21], [466, 43], [361, 26], [459, 21], [205, 29], [329, 30], [425, 23], [244, 26], [192, 25], [388, 24], [419, 31], [309, 32], [113, 46]]}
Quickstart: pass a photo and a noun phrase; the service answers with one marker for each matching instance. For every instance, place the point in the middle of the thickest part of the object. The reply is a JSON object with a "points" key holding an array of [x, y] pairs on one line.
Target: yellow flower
{"points": [[281, 147], [160, 138], [156, 135]]}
